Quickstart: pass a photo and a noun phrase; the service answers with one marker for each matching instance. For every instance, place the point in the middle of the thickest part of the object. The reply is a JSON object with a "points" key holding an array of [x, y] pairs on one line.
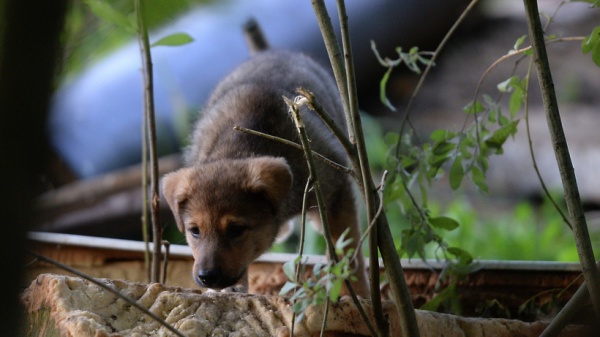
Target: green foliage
{"points": [[96, 27], [413, 60], [324, 284], [174, 40], [527, 232], [107, 12], [591, 43], [593, 3]]}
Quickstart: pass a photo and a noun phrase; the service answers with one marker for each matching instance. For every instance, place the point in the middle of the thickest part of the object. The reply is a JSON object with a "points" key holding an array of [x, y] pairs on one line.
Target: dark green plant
{"points": [[325, 282]]}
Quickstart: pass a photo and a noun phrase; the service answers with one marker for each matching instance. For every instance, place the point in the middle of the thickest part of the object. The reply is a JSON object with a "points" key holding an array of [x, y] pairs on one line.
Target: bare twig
{"points": [[151, 125], [109, 289], [561, 150], [145, 224], [294, 109], [405, 118], [302, 239], [339, 134], [296, 146], [374, 220], [522, 51], [335, 57], [568, 312], [324, 324], [532, 153], [167, 245], [313, 176], [381, 236]]}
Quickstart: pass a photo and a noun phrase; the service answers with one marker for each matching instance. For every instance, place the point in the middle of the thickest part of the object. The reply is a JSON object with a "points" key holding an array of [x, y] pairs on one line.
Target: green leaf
{"points": [[456, 173], [289, 268], [505, 86], [442, 135], [335, 290], [591, 41], [411, 242], [473, 108], [519, 42], [287, 287], [593, 3], [515, 103], [479, 179], [382, 85], [106, 12], [342, 242], [462, 255], [391, 138], [444, 296], [444, 222], [173, 40], [497, 139], [596, 54], [443, 148]]}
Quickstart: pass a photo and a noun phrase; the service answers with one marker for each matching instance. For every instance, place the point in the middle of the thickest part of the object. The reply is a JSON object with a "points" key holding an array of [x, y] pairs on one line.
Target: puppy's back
{"points": [[251, 97]]}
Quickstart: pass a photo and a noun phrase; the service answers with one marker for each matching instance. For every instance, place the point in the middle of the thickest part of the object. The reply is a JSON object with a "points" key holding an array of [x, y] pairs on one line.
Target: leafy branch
{"points": [[333, 251], [380, 236]]}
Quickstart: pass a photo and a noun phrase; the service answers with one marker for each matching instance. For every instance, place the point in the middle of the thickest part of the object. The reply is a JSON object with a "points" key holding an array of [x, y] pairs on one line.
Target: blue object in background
{"points": [[95, 121]]}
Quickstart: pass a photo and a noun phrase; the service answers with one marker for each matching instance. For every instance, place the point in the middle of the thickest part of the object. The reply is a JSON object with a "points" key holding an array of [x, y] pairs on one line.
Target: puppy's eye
{"points": [[195, 231], [236, 230]]}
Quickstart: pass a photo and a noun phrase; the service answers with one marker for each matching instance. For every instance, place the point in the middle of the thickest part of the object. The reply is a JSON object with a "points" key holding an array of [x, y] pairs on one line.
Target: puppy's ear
{"points": [[271, 176], [176, 189]]}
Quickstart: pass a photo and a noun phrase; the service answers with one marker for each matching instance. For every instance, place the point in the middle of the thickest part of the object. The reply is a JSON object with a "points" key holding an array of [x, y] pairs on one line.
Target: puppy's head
{"points": [[228, 210]]}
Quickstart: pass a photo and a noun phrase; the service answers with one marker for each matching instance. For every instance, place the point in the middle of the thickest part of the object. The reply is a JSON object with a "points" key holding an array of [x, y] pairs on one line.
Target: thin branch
{"points": [[149, 110], [382, 236], [302, 239], [523, 51], [325, 315], [431, 63], [568, 312], [561, 150], [313, 176], [296, 146], [374, 220], [335, 58], [315, 106], [111, 290], [294, 110], [167, 245], [532, 153], [145, 234]]}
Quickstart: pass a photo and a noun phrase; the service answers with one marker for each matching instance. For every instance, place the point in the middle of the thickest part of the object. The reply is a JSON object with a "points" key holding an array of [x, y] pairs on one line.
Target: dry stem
{"points": [[381, 236], [151, 125], [561, 149], [294, 109]]}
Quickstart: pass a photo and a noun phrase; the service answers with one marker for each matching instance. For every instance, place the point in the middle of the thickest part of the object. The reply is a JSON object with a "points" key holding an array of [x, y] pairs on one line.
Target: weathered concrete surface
{"points": [[79, 308]]}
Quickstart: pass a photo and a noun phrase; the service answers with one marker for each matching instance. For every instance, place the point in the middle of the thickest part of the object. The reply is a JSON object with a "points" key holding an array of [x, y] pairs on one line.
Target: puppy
{"points": [[237, 190]]}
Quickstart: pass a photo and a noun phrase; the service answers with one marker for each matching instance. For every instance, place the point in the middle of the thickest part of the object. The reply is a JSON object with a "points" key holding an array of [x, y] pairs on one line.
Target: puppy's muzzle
{"points": [[215, 279]]}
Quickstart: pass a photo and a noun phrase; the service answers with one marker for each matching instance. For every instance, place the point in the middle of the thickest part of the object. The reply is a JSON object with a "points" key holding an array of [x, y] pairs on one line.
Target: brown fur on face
{"points": [[237, 190], [232, 218]]}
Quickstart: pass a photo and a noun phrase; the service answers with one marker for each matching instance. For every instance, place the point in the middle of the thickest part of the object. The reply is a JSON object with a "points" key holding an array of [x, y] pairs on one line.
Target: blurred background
{"points": [[92, 185]]}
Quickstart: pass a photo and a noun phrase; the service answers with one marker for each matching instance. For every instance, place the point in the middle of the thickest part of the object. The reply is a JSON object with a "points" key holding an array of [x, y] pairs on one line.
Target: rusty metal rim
{"points": [[184, 251]]}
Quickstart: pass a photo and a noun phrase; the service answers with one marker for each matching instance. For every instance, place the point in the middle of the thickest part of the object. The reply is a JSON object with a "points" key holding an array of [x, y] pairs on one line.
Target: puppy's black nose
{"points": [[209, 277]]}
